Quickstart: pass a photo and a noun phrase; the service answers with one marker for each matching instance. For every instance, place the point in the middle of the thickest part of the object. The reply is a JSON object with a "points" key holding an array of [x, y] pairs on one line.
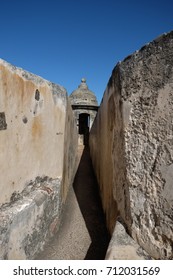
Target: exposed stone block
{"points": [[123, 247], [3, 124]]}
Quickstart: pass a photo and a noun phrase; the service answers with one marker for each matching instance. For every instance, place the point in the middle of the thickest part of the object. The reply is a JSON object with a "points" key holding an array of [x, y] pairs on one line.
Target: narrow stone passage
{"points": [[82, 233], [87, 193]]}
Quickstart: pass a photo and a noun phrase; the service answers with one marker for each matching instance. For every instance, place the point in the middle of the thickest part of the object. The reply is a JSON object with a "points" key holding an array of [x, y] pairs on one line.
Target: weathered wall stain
{"points": [[36, 128]]}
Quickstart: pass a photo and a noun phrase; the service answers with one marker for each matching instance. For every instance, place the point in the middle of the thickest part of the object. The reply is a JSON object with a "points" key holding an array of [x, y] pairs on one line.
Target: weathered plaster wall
{"points": [[37, 160], [132, 146], [70, 151]]}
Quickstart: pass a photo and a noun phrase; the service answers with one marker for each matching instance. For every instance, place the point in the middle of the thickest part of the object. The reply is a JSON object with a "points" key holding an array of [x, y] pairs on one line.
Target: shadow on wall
{"points": [[87, 194], [107, 144], [116, 128]]}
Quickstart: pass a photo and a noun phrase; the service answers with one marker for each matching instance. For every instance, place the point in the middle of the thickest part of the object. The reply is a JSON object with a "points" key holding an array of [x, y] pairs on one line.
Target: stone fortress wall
{"points": [[131, 145], [37, 160]]}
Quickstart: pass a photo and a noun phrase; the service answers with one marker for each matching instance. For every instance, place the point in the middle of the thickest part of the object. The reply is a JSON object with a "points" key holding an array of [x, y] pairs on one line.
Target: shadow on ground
{"points": [[87, 194]]}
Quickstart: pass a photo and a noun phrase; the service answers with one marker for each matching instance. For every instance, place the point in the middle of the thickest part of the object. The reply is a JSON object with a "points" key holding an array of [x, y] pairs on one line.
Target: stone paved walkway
{"points": [[82, 234]]}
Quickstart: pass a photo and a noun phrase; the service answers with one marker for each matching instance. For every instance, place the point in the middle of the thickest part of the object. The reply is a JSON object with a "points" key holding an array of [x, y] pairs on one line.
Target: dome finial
{"points": [[83, 84], [83, 80]]}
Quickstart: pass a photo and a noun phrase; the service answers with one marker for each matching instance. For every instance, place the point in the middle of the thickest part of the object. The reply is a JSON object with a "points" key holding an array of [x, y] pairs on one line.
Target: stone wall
{"points": [[37, 160], [131, 144]]}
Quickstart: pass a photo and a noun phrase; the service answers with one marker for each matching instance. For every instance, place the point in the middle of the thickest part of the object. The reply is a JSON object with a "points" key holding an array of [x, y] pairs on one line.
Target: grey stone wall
{"points": [[132, 146]]}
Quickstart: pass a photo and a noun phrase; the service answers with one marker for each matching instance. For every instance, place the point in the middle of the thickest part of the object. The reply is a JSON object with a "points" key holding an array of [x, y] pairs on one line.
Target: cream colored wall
{"points": [[33, 143], [70, 151], [38, 153], [102, 146]]}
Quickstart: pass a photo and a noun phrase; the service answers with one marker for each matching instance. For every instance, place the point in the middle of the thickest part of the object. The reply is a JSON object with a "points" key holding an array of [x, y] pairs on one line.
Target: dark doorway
{"points": [[84, 123]]}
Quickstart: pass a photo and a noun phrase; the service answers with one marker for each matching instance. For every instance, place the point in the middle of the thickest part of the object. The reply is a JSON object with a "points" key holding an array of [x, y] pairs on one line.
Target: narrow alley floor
{"points": [[87, 193], [82, 233]]}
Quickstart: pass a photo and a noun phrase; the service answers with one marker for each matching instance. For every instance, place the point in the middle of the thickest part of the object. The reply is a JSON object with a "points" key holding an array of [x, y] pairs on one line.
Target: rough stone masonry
{"points": [[132, 146]]}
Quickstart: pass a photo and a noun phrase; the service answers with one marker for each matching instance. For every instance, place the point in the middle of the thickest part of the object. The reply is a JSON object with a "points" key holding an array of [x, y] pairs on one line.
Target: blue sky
{"points": [[65, 40]]}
